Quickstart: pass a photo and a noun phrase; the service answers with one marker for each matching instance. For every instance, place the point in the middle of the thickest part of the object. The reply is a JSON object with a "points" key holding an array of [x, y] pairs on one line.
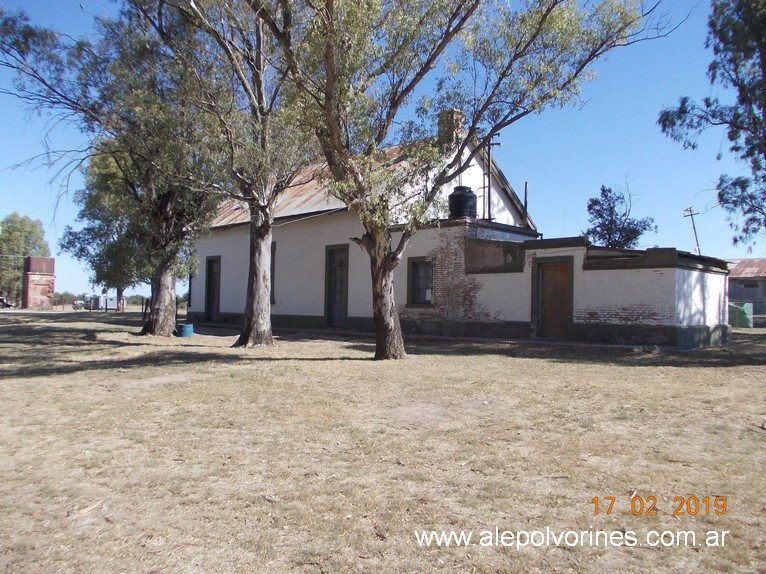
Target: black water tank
{"points": [[462, 203]]}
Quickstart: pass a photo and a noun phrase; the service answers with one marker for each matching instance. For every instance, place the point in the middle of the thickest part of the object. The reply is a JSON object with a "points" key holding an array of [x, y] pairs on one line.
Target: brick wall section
{"points": [[456, 295], [38, 291], [39, 283], [628, 315]]}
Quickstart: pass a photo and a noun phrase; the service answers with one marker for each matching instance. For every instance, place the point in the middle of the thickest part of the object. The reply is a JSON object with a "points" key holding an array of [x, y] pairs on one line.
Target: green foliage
{"points": [[161, 144], [356, 66], [264, 143], [611, 224], [116, 238], [259, 139], [140, 105], [137, 300], [737, 36], [20, 236], [520, 58], [362, 68], [128, 90]]}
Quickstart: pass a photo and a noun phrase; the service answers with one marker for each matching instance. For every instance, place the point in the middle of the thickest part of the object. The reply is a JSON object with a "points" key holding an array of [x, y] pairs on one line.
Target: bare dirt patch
{"points": [[130, 454]]}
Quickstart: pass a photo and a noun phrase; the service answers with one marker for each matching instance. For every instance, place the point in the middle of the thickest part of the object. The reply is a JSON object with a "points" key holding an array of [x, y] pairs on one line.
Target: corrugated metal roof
{"points": [[231, 212], [307, 195], [749, 269]]}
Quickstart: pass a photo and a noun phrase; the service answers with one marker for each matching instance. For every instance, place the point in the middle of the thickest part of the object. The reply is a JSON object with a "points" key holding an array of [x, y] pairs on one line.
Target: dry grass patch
{"points": [[129, 454]]}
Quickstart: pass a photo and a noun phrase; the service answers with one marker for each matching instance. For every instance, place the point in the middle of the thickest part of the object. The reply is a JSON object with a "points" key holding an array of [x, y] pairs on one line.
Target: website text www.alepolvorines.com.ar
{"points": [[547, 537]]}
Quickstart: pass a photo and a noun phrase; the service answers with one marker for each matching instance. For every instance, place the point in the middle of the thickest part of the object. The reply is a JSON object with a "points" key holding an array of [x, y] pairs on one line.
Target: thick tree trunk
{"points": [[389, 343], [256, 329], [162, 316], [120, 295]]}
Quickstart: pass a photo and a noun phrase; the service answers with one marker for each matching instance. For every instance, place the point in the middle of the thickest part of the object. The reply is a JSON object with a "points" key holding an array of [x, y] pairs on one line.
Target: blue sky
{"points": [[564, 154]]}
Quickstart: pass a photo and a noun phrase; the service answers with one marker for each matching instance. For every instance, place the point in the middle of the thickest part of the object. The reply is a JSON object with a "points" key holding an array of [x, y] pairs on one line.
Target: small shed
{"points": [[747, 283]]}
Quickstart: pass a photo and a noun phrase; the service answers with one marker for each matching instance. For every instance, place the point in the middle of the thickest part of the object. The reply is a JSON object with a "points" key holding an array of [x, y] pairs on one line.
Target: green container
{"points": [[741, 315]]}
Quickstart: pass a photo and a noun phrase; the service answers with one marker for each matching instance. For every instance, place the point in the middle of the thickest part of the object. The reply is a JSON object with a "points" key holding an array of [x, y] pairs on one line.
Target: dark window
{"points": [[748, 284], [421, 281]]}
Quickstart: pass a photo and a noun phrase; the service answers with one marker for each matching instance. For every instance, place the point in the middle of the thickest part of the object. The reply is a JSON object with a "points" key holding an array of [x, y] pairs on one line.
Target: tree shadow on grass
{"points": [[181, 358], [164, 358], [30, 350], [746, 349], [31, 343], [123, 319], [40, 344]]}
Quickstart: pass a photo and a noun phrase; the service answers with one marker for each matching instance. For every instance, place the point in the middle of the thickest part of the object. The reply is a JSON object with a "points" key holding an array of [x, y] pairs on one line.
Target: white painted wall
{"points": [[299, 270], [231, 244], [630, 297], [301, 250], [701, 298], [626, 296], [507, 296], [502, 209], [300, 258], [664, 296]]}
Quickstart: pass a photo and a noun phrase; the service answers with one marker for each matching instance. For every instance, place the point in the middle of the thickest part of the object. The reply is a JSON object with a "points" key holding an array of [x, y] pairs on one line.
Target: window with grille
{"points": [[420, 281]]}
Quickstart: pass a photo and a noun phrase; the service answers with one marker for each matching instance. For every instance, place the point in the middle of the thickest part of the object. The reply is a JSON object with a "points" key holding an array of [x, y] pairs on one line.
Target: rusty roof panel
{"points": [[749, 269], [231, 212], [307, 195]]}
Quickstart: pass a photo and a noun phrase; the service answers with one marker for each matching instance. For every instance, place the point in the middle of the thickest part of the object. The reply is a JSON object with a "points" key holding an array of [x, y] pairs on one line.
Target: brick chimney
{"points": [[450, 126]]}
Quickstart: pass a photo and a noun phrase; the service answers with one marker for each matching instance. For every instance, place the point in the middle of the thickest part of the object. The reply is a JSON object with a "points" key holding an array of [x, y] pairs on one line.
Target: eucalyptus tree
{"points": [[127, 90], [164, 147], [115, 237], [373, 75], [263, 144], [737, 36]]}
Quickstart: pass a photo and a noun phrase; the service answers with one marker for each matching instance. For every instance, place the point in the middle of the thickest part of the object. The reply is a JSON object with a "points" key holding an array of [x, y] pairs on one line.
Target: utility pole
{"points": [[689, 212]]}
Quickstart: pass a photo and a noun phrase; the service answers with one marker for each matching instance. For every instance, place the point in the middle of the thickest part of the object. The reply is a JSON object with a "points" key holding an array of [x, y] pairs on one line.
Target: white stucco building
{"points": [[466, 276]]}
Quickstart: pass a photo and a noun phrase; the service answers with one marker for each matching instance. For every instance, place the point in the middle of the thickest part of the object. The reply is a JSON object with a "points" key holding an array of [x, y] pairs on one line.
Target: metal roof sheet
{"points": [[307, 195], [749, 269]]}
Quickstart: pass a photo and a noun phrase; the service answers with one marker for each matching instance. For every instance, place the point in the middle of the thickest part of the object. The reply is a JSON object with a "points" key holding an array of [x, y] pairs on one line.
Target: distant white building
{"points": [[466, 276]]}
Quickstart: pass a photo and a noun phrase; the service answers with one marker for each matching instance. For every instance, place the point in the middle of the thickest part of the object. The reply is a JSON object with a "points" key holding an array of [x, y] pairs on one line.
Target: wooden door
{"points": [[337, 286], [555, 299]]}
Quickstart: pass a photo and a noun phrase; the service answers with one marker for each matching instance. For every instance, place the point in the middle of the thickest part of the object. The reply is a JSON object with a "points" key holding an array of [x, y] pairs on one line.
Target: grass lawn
{"points": [[121, 453]]}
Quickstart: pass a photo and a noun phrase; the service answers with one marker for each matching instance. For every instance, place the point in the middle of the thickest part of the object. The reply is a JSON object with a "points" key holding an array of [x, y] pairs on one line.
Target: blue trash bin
{"points": [[185, 329]]}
